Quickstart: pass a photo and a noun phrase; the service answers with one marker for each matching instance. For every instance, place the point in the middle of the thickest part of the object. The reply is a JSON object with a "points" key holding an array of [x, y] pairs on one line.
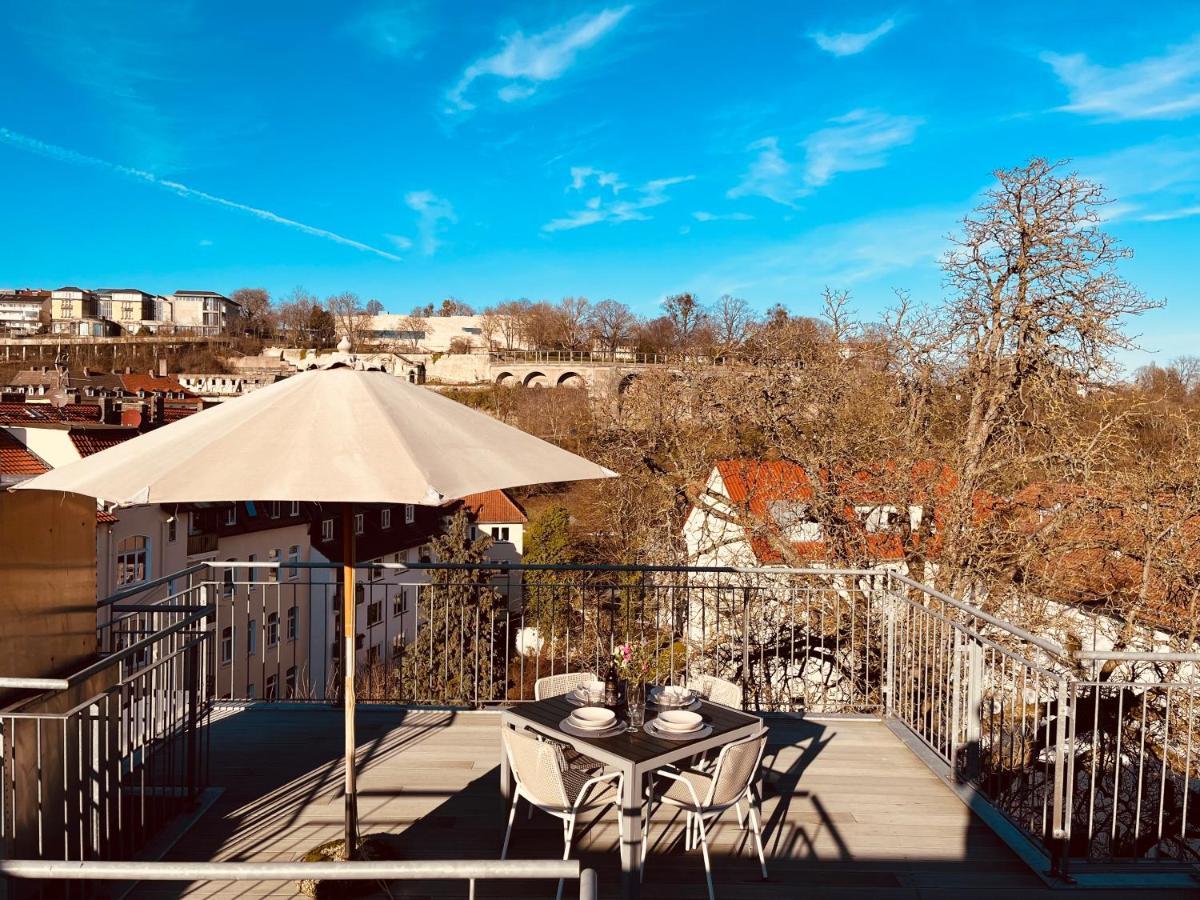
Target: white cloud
{"points": [[204, 242], [1186, 212], [399, 241], [63, 154], [897, 243], [605, 206], [1152, 182], [854, 142], [525, 61], [1159, 87], [432, 211], [848, 43], [396, 29], [701, 215]]}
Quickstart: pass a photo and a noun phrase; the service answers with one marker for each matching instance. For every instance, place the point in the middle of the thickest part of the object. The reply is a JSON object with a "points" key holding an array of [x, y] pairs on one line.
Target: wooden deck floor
{"points": [[849, 811]]}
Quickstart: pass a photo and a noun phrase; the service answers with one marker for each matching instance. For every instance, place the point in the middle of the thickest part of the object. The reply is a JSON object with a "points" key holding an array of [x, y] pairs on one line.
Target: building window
{"points": [[385, 518], [327, 530], [251, 691], [374, 613], [251, 637], [252, 572], [400, 603], [227, 644], [410, 513], [500, 532], [375, 572], [289, 682], [231, 515], [294, 557], [133, 560], [273, 571], [272, 687], [373, 655], [273, 509], [397, 649], [68, 308], [272, 629], [227, 580], [171, 529], [295, 508], [358, 523], [425, 553], [292, 623]]}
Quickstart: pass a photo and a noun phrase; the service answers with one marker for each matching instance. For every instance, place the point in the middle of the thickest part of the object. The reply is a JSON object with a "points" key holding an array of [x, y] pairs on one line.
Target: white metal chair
{"points": [[557, 685], [717, 690], [704, 797], [546, 783]]}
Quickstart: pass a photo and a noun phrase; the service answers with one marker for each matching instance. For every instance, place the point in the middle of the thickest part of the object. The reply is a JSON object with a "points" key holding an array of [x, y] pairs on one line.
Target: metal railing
{"points": [[469, 870], [1091, 757], [97, 763]]}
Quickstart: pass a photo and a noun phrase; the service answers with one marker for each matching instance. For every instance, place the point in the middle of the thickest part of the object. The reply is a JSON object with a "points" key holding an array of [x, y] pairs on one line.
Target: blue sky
{"points": [[411, 150]]}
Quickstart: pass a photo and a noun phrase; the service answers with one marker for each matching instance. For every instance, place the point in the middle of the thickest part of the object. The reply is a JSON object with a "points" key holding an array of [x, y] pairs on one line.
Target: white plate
{"points": [[675, 699], [593, 718], [680, 721], [654, 731], [566, 727]]}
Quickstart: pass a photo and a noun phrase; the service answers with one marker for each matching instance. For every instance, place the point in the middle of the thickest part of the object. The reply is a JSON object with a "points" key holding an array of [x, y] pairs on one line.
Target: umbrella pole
{"points": [[349, 662]]}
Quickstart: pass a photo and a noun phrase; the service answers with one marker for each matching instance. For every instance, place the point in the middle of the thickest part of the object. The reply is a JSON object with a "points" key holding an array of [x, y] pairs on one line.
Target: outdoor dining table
{"points": [[635, 754]]}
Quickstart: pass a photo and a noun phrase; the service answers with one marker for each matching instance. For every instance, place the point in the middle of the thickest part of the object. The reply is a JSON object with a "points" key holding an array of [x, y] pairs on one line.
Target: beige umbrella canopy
{"points": [[330, 436]]}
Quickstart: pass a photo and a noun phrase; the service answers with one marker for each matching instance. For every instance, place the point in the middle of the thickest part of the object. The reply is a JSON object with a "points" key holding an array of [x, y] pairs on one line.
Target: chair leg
{"points": [[737, 808], [568, 832], [757, 828], [512, 814], [704, 850]]}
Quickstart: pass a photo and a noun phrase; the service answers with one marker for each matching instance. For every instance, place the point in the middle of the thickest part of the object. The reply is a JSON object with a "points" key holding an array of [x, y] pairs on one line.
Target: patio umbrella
{"points": [[329, 436]]}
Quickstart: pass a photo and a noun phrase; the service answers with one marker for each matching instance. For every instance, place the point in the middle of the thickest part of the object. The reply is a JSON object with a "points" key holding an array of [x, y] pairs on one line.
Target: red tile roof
{"points": [[17, 459], [25, 413], [493, 508], [175, 413], [154, 384], [105, 518], [88, 441]]}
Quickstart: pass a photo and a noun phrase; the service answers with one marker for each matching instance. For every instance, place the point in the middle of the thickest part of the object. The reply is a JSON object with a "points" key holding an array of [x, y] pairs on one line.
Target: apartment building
{"points": [[203, 312], [76, 311], [23, 311]]}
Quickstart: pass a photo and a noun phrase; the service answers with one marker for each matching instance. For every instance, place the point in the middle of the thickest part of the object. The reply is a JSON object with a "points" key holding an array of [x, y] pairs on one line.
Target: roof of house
{"points": [[89, 440], [32, 413], [494, 508], [144, 381], [17, 459], [105, 518], [175, 413]]}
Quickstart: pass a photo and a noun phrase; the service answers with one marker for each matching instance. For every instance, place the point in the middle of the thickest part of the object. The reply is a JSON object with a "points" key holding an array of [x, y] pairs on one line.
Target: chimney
{"points": [[128, 371], [162, 368]]}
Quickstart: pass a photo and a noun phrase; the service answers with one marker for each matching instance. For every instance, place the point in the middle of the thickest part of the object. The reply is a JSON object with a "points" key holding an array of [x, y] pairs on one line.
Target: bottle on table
{"points": [[611, 686]]}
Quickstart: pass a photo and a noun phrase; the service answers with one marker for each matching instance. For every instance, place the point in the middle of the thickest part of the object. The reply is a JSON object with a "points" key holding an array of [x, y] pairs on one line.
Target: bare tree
{"points": [[572, 322], [611, 324], [452, 306], [349, 317], [256, 310], [374, 307], [294, 314], [732, 321], [687, 315]]}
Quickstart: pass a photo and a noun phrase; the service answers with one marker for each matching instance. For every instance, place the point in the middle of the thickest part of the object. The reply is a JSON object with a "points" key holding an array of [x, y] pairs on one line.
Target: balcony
{"points": [[917, 744], [201, 543]]}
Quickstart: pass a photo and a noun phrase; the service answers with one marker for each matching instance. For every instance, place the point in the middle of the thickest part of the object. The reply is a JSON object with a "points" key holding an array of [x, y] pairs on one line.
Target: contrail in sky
{"points": [[63, 154]]}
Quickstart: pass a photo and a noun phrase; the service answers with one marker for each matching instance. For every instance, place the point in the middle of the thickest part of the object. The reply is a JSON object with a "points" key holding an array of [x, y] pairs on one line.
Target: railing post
{"points": [[955, 703], [974, 707], [588, 885], [192, 676], [1060, 809], [889, 669], [746, 647]]}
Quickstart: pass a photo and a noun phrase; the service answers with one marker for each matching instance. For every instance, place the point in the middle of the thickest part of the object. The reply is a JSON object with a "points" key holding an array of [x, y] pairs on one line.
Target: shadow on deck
{"points": [[849, 812]]}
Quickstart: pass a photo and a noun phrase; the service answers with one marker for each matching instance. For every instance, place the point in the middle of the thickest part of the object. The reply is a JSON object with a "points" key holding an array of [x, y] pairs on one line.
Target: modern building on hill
{"points": [[435, 334], [203, 313], [23, 311]]}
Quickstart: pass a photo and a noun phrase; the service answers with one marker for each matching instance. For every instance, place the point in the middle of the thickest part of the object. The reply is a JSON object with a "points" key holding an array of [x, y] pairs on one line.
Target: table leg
{"points": [[631, 841]]}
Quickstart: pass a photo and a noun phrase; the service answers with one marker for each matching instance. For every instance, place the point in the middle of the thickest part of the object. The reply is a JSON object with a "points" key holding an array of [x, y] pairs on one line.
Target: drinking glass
{"points": [[635, 705], [637, 714]]}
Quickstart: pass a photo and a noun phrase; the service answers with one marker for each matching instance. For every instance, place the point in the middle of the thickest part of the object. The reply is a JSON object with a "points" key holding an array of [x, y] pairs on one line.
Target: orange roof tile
{"points": [[17, 459], [89, 441], [494, 507]]}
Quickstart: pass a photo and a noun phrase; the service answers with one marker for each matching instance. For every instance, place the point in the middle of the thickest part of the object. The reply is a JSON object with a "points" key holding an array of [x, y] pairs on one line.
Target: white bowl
{"points": [[679, 720], [593, 717]]}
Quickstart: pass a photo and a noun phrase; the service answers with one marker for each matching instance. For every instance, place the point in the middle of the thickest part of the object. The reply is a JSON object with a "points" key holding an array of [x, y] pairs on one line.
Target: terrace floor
{"points": [[849, 812]]}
